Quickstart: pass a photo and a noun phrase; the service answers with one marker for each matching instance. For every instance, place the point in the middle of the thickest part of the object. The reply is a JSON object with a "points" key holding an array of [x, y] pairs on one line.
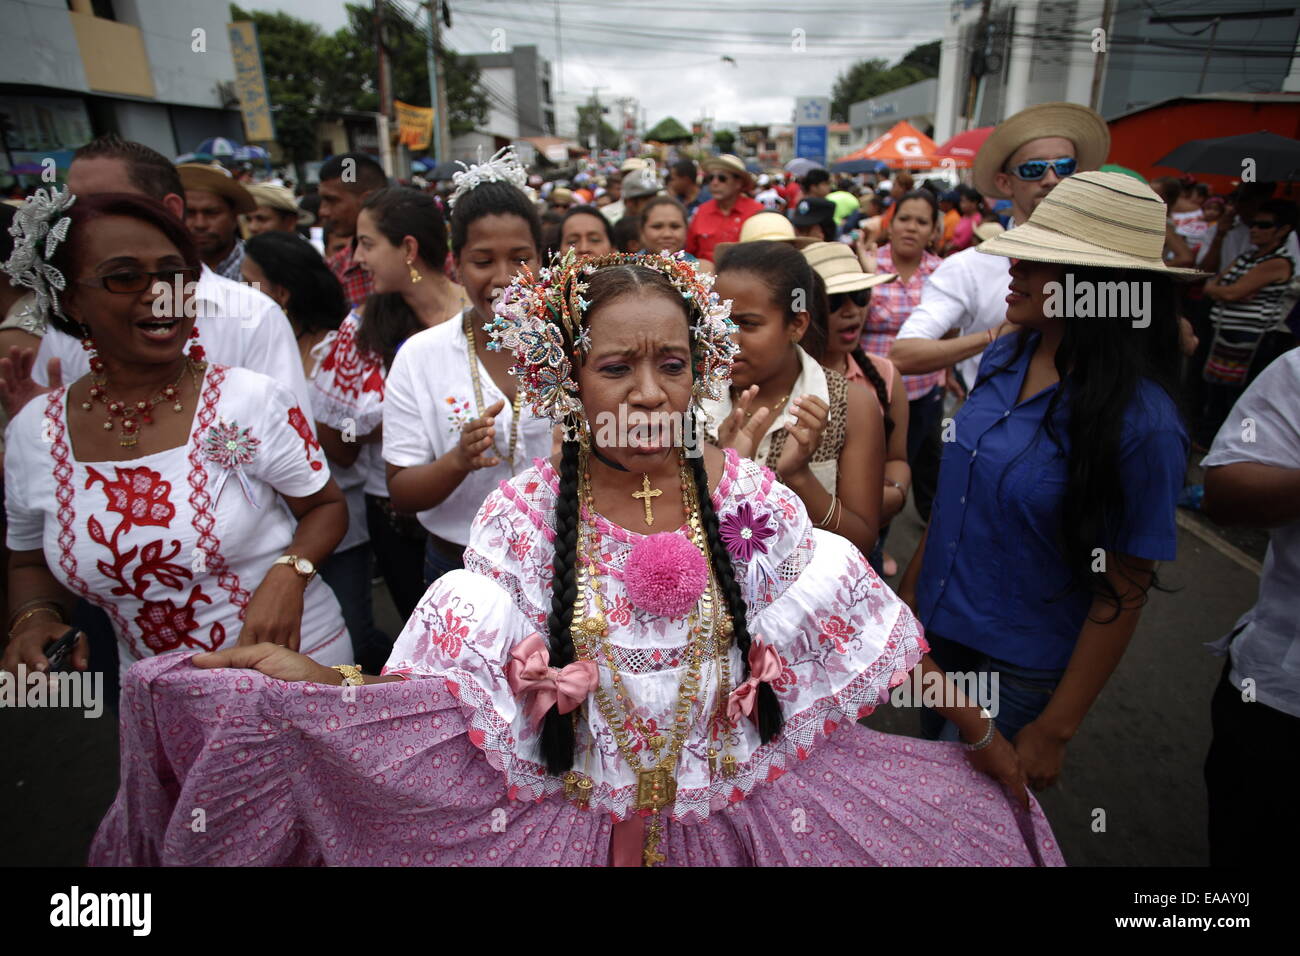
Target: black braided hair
{"points": [[877, 382], [770, 718], [557, 728]]}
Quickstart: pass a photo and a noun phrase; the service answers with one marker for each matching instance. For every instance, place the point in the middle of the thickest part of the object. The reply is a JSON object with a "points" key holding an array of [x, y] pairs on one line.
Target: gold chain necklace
{"points": [[133, 414], [472, 348]]}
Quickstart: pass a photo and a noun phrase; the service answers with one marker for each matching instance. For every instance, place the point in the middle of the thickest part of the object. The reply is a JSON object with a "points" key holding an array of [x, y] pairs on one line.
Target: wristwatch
{"points": [[304, 568], [988, 733]]}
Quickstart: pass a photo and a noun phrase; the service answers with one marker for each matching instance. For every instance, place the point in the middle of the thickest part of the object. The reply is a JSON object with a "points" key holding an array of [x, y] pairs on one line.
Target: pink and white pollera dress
{"points": [[445, 768], [172, 545]]}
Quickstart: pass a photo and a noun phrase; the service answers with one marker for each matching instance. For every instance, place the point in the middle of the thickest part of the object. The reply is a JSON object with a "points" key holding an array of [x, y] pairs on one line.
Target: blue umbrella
{"points": [[854, 166], [249, 153], [802, 165], [218, 147]]}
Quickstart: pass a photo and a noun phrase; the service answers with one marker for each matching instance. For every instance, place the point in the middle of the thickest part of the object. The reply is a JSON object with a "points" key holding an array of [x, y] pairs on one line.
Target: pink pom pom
{"points": [[665, 575]]}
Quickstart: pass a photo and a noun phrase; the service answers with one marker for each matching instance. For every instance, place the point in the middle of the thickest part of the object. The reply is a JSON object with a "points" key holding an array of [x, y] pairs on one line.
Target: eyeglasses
{"points": [[1264, 224], [859, 297], [1036, 169], [720, 177], [130, 283]]}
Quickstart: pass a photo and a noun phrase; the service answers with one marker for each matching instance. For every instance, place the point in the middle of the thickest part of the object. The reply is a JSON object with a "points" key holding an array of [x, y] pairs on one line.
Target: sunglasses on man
{"points": [[1035, 169], [133, 282], [720, 177], [1263, 224], [859, 297]]}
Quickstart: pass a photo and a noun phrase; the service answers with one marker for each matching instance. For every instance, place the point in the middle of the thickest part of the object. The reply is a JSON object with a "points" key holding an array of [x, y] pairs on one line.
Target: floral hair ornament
{"points": [[503, 167], [39, 226], [230, 448], [542, 319]]}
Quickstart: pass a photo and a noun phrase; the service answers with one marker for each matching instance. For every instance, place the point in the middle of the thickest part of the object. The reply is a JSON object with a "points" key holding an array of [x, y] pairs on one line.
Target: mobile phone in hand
{"points": [[59, 652]]}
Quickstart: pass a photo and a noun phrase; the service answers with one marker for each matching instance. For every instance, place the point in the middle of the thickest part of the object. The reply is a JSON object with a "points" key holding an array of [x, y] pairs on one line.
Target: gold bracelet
{"points": [[831, 511], [34, 602], [351, 674], [840, 516], [50, 609]]}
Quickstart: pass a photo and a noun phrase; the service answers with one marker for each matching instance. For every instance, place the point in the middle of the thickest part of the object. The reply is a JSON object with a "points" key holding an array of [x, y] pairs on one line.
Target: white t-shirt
{"points": [[170, 544], [238, 326], [428, 394], [1264, 427], [968, 292]]}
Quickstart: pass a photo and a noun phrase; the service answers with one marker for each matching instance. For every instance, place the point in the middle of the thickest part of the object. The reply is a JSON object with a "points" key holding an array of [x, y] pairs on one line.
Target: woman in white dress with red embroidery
{"points": [[156, 486]]}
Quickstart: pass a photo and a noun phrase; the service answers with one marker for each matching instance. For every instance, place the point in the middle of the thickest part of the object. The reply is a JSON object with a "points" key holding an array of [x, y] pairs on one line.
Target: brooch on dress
{"points": [[745, 532], [231, 448]]}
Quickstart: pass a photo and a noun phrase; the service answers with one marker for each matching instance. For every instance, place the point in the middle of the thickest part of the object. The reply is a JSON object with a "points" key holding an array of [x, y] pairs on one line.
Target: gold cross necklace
{"points": [[646, 495]]}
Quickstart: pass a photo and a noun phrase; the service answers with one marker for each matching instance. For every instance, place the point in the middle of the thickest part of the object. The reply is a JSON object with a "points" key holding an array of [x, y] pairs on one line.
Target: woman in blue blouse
{"points": [[1060, 473]]}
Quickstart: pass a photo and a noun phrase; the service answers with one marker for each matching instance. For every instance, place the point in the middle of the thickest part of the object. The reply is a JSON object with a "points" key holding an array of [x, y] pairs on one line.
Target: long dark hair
{"points": [[316, 299], [785, 272], [399, 211], [557, 736], [1101, 362], [820, 310]]}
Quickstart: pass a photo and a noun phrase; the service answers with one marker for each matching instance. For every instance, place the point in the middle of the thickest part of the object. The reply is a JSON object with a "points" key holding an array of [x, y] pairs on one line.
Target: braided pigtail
{"points": [[557, 728], [769, 708], [878, 383]]}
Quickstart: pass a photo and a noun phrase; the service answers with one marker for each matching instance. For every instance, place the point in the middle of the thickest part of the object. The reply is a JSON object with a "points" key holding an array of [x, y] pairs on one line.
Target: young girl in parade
{"points": [[401, 242], [651, 657], [454, 423], [1057, 493], [808, 424], [190, 501]]}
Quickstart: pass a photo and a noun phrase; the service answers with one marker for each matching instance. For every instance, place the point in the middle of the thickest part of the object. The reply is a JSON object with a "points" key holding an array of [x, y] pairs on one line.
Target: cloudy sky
{"points": [[669, 54]]}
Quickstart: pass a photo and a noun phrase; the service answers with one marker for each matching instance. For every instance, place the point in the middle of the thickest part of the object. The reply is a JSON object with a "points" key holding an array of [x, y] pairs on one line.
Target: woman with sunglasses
{"points": [[719, 220], [156, 486]]}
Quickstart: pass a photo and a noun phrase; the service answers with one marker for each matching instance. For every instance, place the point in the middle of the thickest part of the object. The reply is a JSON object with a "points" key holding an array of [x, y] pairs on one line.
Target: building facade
{"points": [[873, 118]]}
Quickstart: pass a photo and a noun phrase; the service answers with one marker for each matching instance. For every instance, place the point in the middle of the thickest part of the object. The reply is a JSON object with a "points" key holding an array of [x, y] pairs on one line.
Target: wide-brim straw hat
{"points": [[728, 163], [840, 268], [1080, 125], [767, 227], [1093, 219], [987, 230], [281, 199], [215, 179]]}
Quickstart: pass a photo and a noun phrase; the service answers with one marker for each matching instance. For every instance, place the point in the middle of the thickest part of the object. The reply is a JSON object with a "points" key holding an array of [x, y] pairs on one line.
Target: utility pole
{"points": [[1099, 67], [384, 85], [978, 62], [559, 49], [437, 87]]}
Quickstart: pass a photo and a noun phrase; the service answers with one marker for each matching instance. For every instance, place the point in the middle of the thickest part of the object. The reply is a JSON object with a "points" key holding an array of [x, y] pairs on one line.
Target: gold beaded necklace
{"points": [[472, 350], [133, 414]]}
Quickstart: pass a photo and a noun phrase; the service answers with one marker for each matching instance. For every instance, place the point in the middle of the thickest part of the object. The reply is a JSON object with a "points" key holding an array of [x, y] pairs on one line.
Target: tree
{"points": [[868, 78], [588, 117], [725, 140]]}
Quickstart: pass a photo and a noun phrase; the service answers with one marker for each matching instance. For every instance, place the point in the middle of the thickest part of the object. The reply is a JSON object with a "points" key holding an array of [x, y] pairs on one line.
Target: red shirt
{"points": [[357, 282], [709, 226]]}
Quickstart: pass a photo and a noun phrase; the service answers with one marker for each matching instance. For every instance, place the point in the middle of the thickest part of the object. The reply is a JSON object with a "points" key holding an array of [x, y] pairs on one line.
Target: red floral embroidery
{"points": [[453, 635], [310, 445], [354, 371], [519, 546], [620, 612], [787, 680], [838, 631], [139, 495], [165, 627]]}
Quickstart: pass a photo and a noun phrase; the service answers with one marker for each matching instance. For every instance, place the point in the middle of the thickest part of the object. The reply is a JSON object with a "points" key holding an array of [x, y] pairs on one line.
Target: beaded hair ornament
{"points": [[536, 314], [503, 167], [38, 227]]}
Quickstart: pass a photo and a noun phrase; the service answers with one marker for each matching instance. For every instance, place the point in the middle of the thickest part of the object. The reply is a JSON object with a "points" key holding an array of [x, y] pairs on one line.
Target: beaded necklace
{"points": [[472, 349], [135, 414]]}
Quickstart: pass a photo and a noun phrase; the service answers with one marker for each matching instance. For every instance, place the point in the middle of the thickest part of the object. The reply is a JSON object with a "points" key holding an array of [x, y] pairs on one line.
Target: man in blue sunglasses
{"points": [[1022, 160]]}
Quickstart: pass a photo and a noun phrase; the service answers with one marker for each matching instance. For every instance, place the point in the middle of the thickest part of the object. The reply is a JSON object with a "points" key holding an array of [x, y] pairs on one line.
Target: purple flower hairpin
{"points": [[231, 448], [745, 531]]}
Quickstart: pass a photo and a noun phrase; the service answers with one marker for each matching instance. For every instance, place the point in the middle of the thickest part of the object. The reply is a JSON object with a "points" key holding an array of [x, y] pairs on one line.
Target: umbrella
{"points": [[802, 166], [753, 166], [1271, 157], [963, 147], [218, 147], [421, 165], [855, 166], [249, 153], [1117, 168], [903, 147], [444, 171]]}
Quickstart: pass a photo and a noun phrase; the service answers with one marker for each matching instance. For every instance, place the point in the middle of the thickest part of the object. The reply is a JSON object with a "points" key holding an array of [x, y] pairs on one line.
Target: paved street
{"points": [[1138, 757]]}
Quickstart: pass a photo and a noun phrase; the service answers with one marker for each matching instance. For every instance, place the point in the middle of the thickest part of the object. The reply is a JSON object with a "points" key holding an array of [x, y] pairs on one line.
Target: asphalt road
{"points": [[1138, 757]]}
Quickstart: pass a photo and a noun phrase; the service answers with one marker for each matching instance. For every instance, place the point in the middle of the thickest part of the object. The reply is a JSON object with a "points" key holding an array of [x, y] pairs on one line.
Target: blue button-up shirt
{"points": [[993, 577]]}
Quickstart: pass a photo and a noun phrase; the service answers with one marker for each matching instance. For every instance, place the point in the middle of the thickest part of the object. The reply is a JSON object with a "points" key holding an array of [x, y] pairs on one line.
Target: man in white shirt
{"points": [[1253, 480], [1027, 155], [238, 325]]}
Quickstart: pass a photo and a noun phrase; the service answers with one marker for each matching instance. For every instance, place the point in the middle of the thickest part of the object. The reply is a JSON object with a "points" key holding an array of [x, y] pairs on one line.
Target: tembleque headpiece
{"points": [[535, 315], [504, 166], [38, 227]]}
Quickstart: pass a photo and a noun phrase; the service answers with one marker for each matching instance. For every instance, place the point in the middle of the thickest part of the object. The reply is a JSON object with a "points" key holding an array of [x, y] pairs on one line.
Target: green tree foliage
{"points": [[291, 51], [588, 117], [725, 140], [868, 78]]}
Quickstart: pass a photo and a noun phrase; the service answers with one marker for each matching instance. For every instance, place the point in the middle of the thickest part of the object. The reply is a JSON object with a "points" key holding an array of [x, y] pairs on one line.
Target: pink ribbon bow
{"points": [[529, 672], [764, 667]]}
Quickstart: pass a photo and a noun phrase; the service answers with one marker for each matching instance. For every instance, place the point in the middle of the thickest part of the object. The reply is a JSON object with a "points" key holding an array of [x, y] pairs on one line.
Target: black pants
{"points": [[925, 447], [1252, 754], [398, 543]]}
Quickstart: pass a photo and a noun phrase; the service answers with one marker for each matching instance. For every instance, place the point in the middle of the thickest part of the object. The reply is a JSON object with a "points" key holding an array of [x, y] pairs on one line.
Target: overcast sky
{"points": [[669, 54]]}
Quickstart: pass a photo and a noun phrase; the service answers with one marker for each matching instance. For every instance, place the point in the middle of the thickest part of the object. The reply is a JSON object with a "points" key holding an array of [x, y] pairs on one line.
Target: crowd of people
{"points": [[232, 407]]}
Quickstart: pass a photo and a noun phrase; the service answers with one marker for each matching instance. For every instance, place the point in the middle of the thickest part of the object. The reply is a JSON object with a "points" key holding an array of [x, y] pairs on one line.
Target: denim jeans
{"points": [[348, 575], [1023, 693], [436, 564], [398, 544]]}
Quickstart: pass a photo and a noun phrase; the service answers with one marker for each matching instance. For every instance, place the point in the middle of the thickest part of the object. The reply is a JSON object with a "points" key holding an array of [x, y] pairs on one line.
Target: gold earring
{"points": [[415, 276]]}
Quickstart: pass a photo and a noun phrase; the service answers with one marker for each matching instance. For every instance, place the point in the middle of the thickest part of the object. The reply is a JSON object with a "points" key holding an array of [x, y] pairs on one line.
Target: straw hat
{"points": [[214, 178], [1093, 219], [279, 198], [727, 163], [1083, 127], [840, 268], [987, 230], [767, 227]]}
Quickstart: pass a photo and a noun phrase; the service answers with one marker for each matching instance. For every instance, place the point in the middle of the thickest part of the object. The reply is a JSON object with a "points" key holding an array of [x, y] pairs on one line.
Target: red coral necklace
{"points": [[135, 414]]}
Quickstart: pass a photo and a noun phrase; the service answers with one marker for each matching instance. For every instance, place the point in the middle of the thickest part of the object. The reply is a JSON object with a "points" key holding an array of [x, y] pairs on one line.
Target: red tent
{"points": [[961, 149], [903, 147]]}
